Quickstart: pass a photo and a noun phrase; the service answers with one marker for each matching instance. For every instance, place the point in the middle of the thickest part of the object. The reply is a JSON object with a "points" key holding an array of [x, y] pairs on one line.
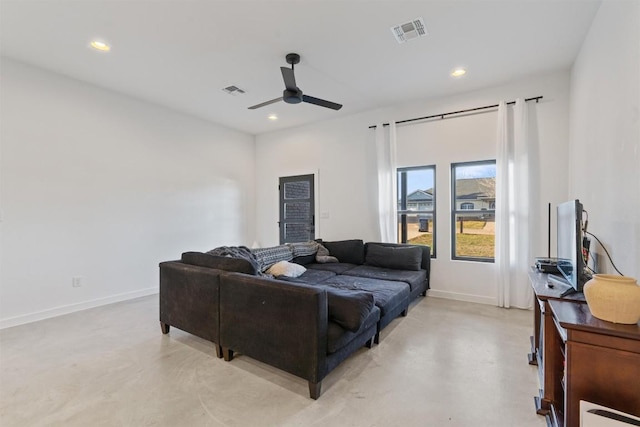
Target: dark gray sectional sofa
{"points": [[304, 325]]}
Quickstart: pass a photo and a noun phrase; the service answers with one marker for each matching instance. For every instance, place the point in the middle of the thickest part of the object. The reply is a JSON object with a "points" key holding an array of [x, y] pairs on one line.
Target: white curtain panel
{"points": [[514, 192], [387, 187], [526, 191], [503, 247]]}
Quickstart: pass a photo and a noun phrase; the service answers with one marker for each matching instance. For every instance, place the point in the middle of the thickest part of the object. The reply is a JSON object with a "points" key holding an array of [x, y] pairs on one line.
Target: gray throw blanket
{"points": [[240, 252]]}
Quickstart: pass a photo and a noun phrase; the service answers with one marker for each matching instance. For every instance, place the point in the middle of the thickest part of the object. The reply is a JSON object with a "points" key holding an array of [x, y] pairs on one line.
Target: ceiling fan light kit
{"points": [[292, 93]]}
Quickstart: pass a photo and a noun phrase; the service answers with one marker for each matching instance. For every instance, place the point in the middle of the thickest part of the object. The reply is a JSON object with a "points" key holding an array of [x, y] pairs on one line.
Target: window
{"points": [[473, 210], [417, 206]]}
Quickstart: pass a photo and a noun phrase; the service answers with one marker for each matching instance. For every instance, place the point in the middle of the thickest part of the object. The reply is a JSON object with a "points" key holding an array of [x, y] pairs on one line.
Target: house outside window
{"points": [[417, 206], [473, 211]]}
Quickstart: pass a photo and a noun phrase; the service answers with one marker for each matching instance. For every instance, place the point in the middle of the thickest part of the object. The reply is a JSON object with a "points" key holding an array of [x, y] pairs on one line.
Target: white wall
{"points": [[100, 186], [334, 151], [605, 133], [342, 151]]}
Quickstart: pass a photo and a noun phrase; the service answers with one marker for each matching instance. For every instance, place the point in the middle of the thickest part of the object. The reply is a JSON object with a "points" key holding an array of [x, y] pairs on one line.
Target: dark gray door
{"points": [[297, 209]]}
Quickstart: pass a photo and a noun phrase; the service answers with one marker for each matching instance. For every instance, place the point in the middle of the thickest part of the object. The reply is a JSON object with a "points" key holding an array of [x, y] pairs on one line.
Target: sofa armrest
{"points": [[189, 297], [282, 324], [219, 262]]}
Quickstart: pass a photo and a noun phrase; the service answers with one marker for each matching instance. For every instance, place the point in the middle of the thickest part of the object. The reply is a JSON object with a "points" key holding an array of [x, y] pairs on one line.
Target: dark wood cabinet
{"points": [[580, 357], [542, 343]]}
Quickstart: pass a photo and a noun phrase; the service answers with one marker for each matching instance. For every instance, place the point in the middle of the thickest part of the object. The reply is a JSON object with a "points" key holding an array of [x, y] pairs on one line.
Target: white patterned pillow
{"points": [[268, 256], [286, 268]]}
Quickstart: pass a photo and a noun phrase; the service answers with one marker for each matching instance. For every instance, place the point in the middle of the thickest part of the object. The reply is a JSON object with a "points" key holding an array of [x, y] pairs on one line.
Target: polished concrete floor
{"points": [[448, 363]]}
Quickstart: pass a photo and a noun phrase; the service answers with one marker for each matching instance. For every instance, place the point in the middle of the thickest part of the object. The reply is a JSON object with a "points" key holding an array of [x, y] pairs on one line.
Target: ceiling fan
{"points": [[292, 93]]}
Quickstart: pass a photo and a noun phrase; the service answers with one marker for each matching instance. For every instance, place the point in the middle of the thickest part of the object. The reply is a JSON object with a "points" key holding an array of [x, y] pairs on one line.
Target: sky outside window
{"points": [[419, 179]]}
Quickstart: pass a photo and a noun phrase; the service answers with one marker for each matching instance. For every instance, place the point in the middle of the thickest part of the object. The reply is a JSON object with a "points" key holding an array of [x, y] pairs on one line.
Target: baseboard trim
{"points": [[461, 297], [72, 308]]}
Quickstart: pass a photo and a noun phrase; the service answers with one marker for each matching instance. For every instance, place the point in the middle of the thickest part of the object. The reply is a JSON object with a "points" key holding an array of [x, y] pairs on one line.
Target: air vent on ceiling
{"points": [[233, 90], [409, 30]]}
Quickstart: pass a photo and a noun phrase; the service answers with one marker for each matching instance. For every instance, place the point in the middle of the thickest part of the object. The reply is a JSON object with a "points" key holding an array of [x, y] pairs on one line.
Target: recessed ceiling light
{"points": [[458, 72], [272, 117], [100, 45]]}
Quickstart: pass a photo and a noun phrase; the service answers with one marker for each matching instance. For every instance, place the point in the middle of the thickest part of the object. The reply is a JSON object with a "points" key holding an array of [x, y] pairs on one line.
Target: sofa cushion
{"points": [[426, 252], [310, 276], [347, 251], [338, 337], [304, 260], [414, 279], [387, 295], [336, 267], [348, 308], [286, 268], [220, 262], [268, 256], [395, 257]]}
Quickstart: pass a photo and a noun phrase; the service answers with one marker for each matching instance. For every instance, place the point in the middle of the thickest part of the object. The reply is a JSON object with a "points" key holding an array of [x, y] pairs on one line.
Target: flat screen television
{"points": [[571, 263]]}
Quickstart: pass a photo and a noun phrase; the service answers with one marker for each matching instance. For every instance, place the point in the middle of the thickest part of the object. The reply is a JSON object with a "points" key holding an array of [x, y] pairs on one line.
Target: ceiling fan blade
{"points": [[264, 104], [289, 78], [321, 102]]}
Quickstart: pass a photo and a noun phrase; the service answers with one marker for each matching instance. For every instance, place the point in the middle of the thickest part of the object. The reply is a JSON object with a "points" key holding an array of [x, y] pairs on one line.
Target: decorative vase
{"points": [[613, 298]]}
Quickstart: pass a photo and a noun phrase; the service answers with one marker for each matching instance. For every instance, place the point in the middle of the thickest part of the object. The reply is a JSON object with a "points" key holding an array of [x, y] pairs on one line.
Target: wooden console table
{"points": [[580, 357], [543, 294]]}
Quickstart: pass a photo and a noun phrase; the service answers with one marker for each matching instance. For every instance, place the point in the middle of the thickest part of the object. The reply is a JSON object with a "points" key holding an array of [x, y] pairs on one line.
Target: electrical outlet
{"points": [[76, 282]]}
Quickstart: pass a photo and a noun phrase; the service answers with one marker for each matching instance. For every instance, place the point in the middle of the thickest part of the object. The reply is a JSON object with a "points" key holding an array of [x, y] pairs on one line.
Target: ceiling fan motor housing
{"points": [[291, 96], [292, 93], [293, 58]]}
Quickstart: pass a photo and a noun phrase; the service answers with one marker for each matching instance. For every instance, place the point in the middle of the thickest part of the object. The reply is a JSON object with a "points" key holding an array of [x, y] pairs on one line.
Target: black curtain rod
{"points": [[535, 98]]}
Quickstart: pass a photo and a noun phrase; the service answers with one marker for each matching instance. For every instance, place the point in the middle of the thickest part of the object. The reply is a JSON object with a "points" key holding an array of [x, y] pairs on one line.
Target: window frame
{"points": [[459, 211], [402, 190]]}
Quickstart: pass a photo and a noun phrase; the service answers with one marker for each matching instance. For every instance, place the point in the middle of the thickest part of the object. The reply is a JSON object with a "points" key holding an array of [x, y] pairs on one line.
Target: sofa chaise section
{"points": [[399, 262], [287, 325], [392, 298]]}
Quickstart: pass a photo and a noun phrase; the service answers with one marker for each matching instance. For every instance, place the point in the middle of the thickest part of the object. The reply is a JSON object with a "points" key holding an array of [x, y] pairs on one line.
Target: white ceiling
{"points": [[180, 54]]}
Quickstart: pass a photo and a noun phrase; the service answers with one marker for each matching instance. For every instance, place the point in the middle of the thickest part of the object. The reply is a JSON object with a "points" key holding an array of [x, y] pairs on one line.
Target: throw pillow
{"points": [[349, 308], [322, 256], [287, 269], [268, 256], [348, 251], [395, 257], [303, 248]]}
